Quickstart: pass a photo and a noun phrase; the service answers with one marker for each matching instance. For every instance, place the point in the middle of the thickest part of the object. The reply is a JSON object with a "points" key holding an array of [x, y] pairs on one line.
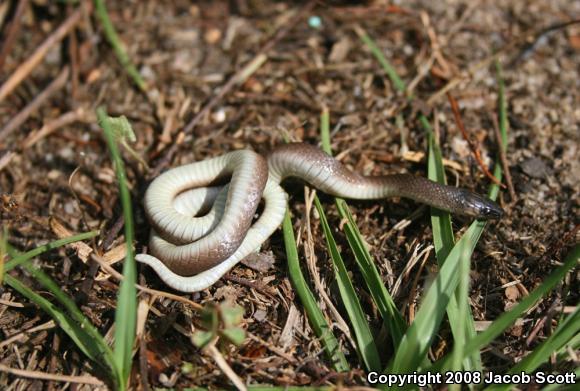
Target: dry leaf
{"points": [[512, 293], [82, 250]]}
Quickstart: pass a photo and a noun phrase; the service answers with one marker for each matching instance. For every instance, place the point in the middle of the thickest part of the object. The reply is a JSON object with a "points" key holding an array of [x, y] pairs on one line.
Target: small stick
{"points": [[13, 31], [6, 159], [48, 376], [413, 289], [52, 126], [435, 43], [118, 276], [272, 348], [38, 101], [27, 66], [221, 362], [542, 322], [54, 355], [250, 284], [472, 146], [112, 234], [503, 158], [24, 333]]}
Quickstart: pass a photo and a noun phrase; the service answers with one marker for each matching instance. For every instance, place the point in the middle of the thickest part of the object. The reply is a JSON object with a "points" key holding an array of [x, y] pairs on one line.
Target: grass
{"points": [[315, 315], [448, 295], [446, 298], [115, 363], [117, 46], [126, 313]]}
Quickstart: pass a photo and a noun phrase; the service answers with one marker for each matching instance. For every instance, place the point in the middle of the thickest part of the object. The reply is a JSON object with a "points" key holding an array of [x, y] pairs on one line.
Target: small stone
{"points": [[261, 262], [212, 36], [219, 116], [512, 293], [340, 50], [260, 315], [535, 168]]}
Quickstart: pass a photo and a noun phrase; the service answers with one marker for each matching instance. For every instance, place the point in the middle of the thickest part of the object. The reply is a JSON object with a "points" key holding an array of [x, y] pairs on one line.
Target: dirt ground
{"points": [[55, 169]]}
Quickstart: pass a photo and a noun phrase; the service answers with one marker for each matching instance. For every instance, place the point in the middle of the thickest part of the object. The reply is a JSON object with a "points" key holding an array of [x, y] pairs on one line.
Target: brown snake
{"points": [[190, 253]]}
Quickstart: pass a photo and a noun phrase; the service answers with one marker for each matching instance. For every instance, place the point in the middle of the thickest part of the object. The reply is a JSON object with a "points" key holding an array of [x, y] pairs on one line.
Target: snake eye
{"points": [[491, 211], [481, 207]]}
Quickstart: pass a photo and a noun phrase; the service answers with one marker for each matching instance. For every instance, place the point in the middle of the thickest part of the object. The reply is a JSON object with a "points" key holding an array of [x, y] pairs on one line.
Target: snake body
{"points": [[191, 253]]}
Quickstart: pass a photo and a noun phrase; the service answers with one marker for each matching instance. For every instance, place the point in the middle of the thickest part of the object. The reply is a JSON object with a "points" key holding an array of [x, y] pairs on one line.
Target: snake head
{"points": [[480, 207]]}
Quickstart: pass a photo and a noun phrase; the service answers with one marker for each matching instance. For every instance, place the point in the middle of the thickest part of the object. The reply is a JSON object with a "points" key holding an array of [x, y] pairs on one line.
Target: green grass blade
{"points": [[392, 318], [443, 240], [420, 335], [561, 387], [23, 258], [440, 220], [389, 69], [364, 338], [502, 105], [93, 348], [567, 329], [463, 313], [3, 251], [115, 42], [126, 313], [315, 316], [506, 319], [74, 312], [75, 324]]}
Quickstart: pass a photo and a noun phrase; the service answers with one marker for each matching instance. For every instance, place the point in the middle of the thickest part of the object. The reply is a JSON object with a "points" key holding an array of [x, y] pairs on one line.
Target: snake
{"points": [[203, 214]]}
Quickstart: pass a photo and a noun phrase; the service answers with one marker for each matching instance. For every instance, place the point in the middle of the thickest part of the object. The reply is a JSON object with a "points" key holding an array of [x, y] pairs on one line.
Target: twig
{"points": [[413, 290], [106, 267], [250, 284], [113, 232], [435, 43], [49, 376], [226, 369], [52, 126], [272, 348], [13, 31], [6, 159], [474, 148], [235, 80], [503, 158], [54, 357], [27, 66], [548, 314], [23, 115], [415, 257], [45, 326]]}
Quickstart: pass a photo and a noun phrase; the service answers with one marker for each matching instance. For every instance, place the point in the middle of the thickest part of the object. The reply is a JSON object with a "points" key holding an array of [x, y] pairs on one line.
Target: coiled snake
{"points": [[191, 253]]}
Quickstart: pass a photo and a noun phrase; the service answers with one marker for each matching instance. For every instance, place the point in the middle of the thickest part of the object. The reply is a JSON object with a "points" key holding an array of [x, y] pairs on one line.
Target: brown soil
{"points": [[187, 53]]}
